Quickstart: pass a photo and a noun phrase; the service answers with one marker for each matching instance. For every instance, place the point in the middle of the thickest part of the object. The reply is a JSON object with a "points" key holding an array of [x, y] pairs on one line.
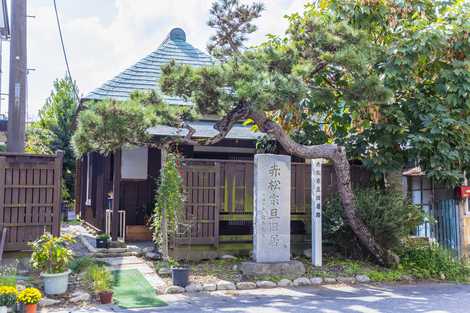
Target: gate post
{"points": [[55, 227]]}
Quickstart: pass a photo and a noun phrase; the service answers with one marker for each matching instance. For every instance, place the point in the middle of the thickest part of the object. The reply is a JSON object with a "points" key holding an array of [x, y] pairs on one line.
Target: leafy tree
{"points": [[423, 58], [52, 131]]}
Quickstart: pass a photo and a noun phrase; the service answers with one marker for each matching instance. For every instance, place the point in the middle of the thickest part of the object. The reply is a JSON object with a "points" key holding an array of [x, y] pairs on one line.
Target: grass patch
{"points": [[132, 290]]}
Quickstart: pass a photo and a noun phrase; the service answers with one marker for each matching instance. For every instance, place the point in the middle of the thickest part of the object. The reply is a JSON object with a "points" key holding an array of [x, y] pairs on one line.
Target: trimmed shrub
{"points": [[387, 215]]}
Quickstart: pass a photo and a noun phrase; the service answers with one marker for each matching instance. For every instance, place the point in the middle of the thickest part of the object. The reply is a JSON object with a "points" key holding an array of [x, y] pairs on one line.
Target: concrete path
{"points": [[420, 298], [132, 262]]}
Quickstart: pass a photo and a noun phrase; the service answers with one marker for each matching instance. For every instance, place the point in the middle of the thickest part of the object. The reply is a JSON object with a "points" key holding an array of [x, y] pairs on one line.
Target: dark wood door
{"points": [[202, 204]]}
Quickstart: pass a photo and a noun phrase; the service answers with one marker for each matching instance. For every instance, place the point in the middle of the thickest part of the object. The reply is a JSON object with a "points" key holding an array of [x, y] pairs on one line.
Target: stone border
{"points": [[298, 282]]}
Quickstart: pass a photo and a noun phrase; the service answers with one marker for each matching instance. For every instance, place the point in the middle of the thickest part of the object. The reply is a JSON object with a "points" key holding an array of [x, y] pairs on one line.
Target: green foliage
{"points": [[103, 236], [51, 254], [385, 275], [53, 130], [168, 199], [8, 295], [424, 60], [78, 265], [387, 215], [8, 275], [433, 262], [169, 263], [98, 279], [235, 16], [266, 144], [107, 125]]}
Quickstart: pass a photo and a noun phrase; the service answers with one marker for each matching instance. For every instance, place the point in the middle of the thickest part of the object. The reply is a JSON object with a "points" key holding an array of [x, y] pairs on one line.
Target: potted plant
{"points": [[169, 210], [8, 296], [99, 280], [30, 297], [51, 256], [102, 241]]}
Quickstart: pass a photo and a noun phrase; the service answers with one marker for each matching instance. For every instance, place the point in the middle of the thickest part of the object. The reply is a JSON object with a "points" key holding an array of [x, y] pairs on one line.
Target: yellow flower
{"points": [[30, 296]]}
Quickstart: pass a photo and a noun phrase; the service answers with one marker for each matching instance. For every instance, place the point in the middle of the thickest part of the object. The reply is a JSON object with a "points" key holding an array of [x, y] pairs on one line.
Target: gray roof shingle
{"points": [[145, 74]]}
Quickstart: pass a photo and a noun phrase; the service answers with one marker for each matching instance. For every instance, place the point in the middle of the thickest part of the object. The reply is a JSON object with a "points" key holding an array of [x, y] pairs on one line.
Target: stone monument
{"points": [[271, 222], [271, 228]]}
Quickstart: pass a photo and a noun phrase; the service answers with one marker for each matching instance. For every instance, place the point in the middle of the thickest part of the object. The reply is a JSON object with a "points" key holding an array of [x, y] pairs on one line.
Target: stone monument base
{"points": [[291, 269]]}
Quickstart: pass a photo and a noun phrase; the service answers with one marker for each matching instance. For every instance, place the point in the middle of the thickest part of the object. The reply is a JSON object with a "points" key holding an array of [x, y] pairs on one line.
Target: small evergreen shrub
{"points": [[387, 215]]}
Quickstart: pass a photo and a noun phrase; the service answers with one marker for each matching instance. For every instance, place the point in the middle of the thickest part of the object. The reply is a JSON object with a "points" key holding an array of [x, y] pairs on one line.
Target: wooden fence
{"points": [[219, 199], [30, 197]]}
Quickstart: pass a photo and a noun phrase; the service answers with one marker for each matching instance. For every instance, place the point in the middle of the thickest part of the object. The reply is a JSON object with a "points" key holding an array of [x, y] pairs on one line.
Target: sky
{"points": [[104, 37]]}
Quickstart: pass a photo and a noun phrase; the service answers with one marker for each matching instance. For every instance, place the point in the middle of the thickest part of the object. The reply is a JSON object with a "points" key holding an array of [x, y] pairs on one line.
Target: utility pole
{"points": [[18, 81]]}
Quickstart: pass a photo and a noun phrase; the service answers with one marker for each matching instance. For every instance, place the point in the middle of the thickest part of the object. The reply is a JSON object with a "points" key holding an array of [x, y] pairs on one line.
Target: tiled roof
{"points": [[145, 74], [205, 129]]}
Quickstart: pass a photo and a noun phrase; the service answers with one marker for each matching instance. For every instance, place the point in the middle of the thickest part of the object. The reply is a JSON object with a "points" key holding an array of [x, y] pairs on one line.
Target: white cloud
{"points": [[99, 49]]}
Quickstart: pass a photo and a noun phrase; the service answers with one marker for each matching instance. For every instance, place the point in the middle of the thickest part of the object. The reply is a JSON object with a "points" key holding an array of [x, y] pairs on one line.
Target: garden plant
{"points": [[30, 297], [8, 295], [51, 256]]}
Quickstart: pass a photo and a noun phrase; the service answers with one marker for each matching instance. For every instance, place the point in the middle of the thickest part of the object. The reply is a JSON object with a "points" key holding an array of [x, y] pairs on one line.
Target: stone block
{"points": [[174, 290], [291, 269], [194, 288], [225, 285], [284, 283], [49, 302], [265, 284], [329, 280], [316, 280], [362, 278], [301, 281], [346, 280], [246, 285], [209, 287]]}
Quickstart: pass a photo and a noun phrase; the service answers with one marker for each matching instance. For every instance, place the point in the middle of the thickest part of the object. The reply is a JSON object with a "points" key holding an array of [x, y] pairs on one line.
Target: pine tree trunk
{"points": [[337, 155]]}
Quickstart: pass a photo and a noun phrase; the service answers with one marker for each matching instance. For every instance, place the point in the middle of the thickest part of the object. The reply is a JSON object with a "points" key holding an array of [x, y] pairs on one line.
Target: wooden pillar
{"points": [[57, 192], [164, 228], [116, 194]]}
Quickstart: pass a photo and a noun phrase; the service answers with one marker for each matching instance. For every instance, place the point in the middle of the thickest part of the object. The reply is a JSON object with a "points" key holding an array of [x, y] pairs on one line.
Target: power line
{"points": [[65, 52]]}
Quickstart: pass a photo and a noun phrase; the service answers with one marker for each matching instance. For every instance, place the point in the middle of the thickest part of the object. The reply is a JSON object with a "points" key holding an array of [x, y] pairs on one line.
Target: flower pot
{"points": [[30, 308], [106, 297], [55, 284], [3, 309], [102, 243], [180, 276]]}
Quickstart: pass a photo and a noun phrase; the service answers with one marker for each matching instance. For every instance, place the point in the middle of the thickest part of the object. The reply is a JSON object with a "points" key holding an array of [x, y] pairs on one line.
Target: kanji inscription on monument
{"points": [[272, 186]]}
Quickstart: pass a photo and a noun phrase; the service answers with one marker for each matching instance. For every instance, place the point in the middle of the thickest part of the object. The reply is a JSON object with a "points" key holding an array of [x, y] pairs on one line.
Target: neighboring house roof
{"points": [[145, 74], [205, 129]]}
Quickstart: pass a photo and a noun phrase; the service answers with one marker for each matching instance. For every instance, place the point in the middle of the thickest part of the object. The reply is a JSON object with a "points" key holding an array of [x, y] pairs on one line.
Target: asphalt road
{"points": [[420, 298]]}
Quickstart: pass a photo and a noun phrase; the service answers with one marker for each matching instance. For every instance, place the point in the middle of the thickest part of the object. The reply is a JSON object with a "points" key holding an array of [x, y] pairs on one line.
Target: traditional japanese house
{"points": [[218, 179]]}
